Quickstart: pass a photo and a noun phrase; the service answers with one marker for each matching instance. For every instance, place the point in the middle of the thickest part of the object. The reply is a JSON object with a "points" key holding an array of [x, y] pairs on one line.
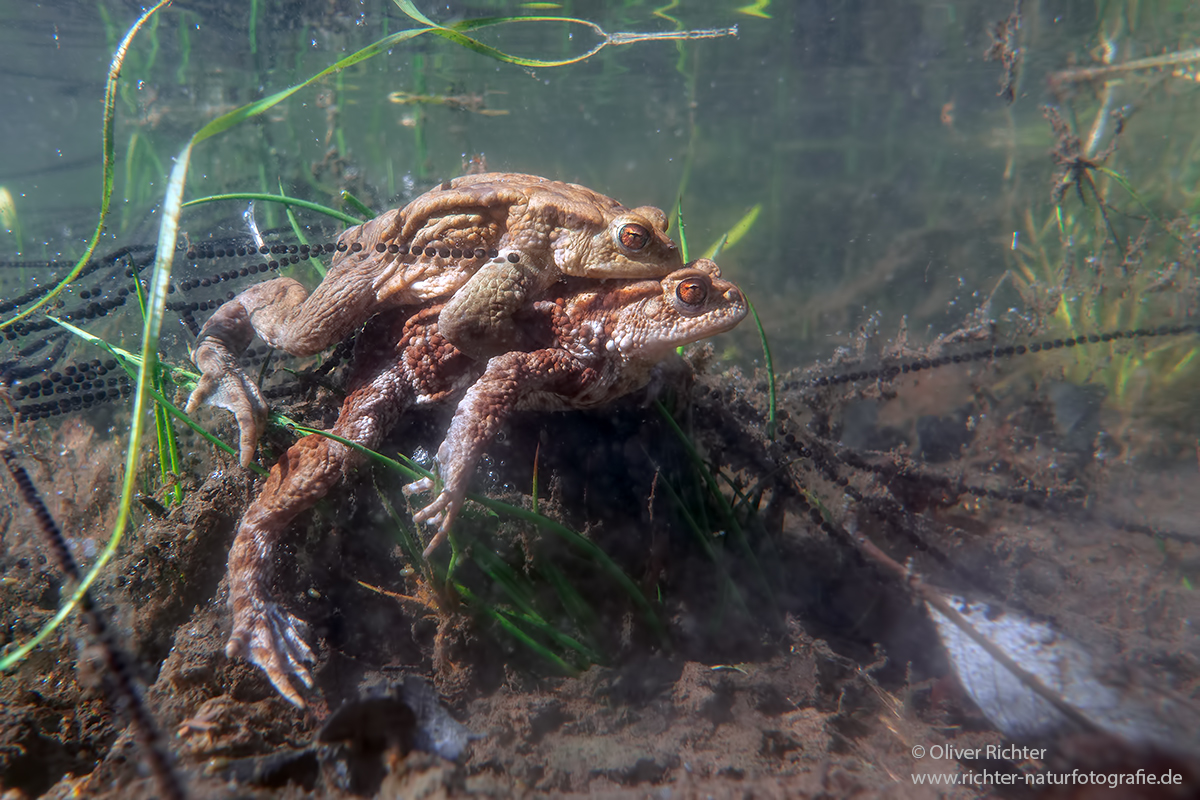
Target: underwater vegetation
{"points": [[940, 487]]}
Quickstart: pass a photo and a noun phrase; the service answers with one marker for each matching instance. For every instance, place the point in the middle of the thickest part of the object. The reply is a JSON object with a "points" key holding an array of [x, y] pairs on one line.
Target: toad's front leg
{"points": [[286, 316], [509, 381], [478, 318]]}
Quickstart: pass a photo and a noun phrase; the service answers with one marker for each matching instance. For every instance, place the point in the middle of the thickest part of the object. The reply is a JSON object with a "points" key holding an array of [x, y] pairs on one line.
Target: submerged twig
{"points": [[1081, 74]]}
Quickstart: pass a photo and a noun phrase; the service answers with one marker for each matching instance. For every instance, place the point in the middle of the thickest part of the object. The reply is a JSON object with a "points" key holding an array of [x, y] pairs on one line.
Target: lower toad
{"points": [[596, 341]]}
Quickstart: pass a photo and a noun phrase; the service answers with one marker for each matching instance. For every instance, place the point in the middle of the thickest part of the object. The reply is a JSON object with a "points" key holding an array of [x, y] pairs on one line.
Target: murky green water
{"points": [[890, 175], [888, 172]]}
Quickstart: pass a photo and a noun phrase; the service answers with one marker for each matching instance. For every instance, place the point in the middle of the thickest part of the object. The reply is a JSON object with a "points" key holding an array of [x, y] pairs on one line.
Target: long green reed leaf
{"points": [[579, 610], [239, 115], [277, 198], [1124, 184], [521, 595], [409, 542], [736, 233], [681, 230], [297, 231], [702, 538], [155, 306], [358, 205], [728, 517], [588, 549], [168, 453], [131, 363], [515, 631], [454, 33]]}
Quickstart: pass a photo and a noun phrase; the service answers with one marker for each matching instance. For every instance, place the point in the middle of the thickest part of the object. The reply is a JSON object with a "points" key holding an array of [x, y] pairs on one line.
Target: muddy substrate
{"points": [[786, 666]]}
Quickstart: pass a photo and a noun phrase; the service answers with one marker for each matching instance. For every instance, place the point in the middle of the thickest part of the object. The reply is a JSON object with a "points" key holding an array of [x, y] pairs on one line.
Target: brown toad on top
{"points": [[488, 242], [594, 342]]}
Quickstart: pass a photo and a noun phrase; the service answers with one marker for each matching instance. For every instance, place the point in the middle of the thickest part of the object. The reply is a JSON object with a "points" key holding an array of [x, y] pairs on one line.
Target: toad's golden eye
{"points": [[692, 292], [633, 237]]}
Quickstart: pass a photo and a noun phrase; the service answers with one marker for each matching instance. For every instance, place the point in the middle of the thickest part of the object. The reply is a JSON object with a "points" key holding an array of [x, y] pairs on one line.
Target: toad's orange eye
{"points": [[692, 292], [633, 236]]}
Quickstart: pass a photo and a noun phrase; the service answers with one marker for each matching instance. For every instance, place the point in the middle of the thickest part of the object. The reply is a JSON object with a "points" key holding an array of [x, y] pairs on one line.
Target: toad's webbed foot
{"points": [[223, 384], [440, 512], [274, 640]]}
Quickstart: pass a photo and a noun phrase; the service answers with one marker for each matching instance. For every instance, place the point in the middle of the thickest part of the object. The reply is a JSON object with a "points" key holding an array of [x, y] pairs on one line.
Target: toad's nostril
{"points": [[733, 296]]}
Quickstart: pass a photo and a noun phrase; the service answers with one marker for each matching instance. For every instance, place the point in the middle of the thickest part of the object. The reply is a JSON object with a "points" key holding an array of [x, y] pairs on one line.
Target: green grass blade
{"points": [[681, 230], [131, 363], [534, 489], [291, 215], [588, 548], [252, 27], [168, 455], [308, 205], [504, 576], [1120, 179], [185, 48], [239, 115], [454, 33], [515, 631], [412, 547], [522, 596], [730, 587], [159, 282], [408, 470], [734, 234], [357, 205], [9, 219], [769, 364], [694, 455], [580, 611], [727, 515]]}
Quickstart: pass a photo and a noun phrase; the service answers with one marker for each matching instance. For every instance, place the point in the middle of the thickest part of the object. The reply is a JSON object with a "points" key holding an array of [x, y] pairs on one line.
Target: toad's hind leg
{"points": [[267, 635], [286, 316]]}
